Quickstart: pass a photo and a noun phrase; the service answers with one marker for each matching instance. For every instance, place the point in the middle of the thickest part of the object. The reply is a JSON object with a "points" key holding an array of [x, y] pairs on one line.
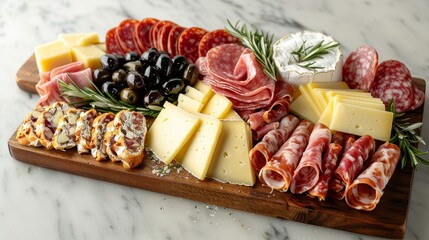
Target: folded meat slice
{"points": [[64, 136], [98, 149], [48, 121], [84, 130], [26, 133]]}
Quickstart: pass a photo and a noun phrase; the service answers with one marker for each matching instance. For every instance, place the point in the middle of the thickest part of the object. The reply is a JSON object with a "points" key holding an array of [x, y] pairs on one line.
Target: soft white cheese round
{"points": [[291, 72]]}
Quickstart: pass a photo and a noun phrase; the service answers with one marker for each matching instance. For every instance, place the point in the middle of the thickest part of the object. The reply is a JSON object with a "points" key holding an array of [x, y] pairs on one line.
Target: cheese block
{"points": [[88, 39], [196, 155], [102, 47], [328, 85], [232, 115], [231, 162], [51, 55], [204, 88], [170, 131], [71, 39], [300, 107], [360, 120], [218, 106], [328, 68], [313, 102], [188, 104], [197, 95], [89, 55]]}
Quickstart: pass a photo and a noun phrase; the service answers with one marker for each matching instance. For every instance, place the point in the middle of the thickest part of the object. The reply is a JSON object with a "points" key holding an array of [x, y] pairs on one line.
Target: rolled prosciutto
{"points": [[277, 173], [365, 192], [307, 173]]}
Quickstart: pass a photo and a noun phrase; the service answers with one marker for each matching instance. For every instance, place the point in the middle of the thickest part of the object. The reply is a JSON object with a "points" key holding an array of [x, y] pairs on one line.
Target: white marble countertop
{"points": [[37, 203]]}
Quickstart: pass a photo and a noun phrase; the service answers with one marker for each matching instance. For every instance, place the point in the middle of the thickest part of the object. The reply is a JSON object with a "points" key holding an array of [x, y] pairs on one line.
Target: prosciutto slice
{"points": [[365, 192], [48, 87], [271, 142], [350, 166], [277, 173], [307, 173]]}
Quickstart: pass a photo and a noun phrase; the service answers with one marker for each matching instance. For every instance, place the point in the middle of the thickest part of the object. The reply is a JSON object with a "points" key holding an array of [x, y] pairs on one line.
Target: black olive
{"points": [[149, 57], [152, 76], [109, 61], [191, 74], [101, 76], [119, 75], [135, 66], [131, 56], [129, 96], [121, 59], [178, 66], [121, 85], [110, 88], [163, 64], [153, 97], [173, 86], [135, 81]]}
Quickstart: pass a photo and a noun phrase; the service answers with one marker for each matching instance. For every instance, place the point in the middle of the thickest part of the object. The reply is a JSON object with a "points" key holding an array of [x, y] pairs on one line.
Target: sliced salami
{"points": [[142, 33], [329, 163], [213, 39], [307, 173], [172, 39], [419, 98], [271, 142], [125, 35], [393, 81], [154, 31], [279, 108], [260, 132], [278, 172], [360, 68], [188, 41], [163, 34], [350, 166], [112, 44], [365, 192]]}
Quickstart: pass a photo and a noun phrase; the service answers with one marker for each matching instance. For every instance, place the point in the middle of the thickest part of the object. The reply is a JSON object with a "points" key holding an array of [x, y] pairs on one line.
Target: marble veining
{"points": [[38, 203]]}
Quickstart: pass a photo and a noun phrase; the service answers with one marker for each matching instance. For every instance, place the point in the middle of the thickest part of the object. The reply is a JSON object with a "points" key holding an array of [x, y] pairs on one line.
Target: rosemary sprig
{"points": [[96, 99], [405, 137], [308, 53], [259, 42]]}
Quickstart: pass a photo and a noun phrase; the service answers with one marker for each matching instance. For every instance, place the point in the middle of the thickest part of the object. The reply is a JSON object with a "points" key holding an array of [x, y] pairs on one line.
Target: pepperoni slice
{"points": [[188, 41], [112, 43], [142, 33], [172, 39], [360, 67], [125, 35], [154, 33], [163, 34], [213, 39]]}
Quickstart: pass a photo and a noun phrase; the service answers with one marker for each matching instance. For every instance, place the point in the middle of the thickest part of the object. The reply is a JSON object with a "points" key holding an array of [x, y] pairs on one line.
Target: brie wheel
{"points": [[329, 65]]}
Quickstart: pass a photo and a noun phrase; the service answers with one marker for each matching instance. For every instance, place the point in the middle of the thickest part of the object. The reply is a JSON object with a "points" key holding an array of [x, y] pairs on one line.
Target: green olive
{"points": [[129, 96]]}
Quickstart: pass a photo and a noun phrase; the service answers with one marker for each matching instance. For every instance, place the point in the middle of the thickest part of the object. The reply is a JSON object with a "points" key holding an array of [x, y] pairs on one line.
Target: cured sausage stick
{"points": [[277, 173], [365, 192], [350, 165], [307, 173], [271, 142]]}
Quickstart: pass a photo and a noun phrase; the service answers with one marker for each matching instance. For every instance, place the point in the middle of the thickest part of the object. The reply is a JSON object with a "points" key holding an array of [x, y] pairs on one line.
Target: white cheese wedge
{"points": [[329, 65], [170, 131], [196, 155], [202, 87], [188, 104], [231, 162], [197, 95]]}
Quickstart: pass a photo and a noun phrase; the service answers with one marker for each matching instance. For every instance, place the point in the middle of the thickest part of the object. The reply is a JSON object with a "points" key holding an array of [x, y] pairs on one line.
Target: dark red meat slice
{"points": [[172, 39], [112, 43], [125, 35], [163, 36], [154, 32], [142, 33], [213, 39], [360, 67], [188, 41]]}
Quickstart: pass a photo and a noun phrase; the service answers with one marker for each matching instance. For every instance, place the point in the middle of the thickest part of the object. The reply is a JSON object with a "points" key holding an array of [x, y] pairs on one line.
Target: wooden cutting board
{"points": [[388, 220]]}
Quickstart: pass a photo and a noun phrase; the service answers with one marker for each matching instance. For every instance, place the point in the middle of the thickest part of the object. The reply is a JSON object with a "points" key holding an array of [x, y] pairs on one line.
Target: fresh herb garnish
{"points": [[96, 99], [406, 138], [308, 53], [259, 42]]}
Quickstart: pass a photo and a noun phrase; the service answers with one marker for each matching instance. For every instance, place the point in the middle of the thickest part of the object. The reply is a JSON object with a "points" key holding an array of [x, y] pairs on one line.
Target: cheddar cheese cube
{"points": [[89, 55], [51, 55]]}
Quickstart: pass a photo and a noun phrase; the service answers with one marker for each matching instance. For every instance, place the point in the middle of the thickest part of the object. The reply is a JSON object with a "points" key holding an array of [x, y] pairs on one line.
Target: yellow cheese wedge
{"points": [[204, 88], [51, 55], [301, 108], [328, 85], [102, 47], [218, 106], [170, 131], [188, 104], [197, 153], [89, 55], [311, 100], [71, 39], [232, 115], [197, 95], [359, 120], [88, 39], [231, 162]]}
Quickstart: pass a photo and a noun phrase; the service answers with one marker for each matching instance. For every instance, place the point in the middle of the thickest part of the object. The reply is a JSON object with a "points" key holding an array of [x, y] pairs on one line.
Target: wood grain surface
{"points": [[388, 220], [28, 75]]}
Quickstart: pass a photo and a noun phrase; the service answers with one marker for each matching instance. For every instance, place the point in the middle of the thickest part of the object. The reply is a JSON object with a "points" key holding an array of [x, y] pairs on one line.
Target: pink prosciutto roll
{"points": [[365, 192], [277, 173], [307, 173]]}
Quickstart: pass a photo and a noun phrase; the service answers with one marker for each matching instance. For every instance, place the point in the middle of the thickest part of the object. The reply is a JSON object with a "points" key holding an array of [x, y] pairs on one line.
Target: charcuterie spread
{"points": [[290, 114]]}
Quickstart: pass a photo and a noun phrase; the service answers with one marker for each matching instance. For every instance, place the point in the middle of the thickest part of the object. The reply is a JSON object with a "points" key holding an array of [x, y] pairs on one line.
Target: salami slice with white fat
{"points": [[213, 39], [271, 142], [350, 166], [278, 172], [142, 33], [125, 35], [365, 192], [112, 44], [360, 68], [163, 34], [307, 173], [172, 39], [188, 41], [154, 32]]}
